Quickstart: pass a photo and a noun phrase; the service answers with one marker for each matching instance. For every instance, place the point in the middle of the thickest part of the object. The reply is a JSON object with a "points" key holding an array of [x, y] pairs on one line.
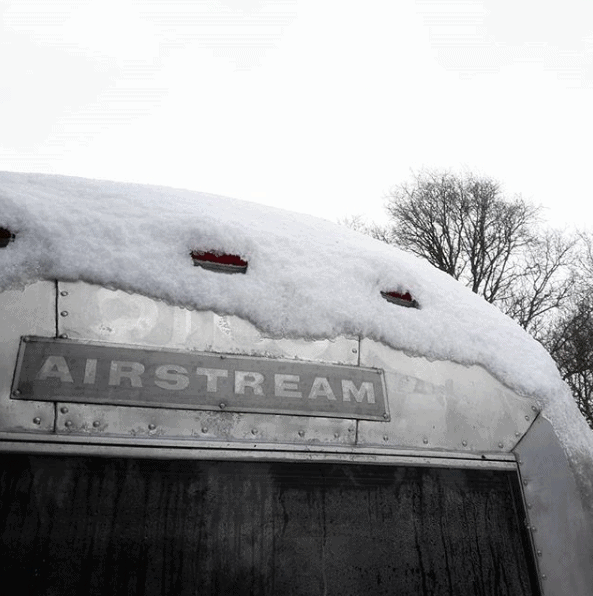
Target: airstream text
{"points": [[102, 373]]}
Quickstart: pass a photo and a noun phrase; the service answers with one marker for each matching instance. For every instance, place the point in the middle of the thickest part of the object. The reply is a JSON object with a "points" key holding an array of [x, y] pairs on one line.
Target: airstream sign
{"points": [[76, 371]]}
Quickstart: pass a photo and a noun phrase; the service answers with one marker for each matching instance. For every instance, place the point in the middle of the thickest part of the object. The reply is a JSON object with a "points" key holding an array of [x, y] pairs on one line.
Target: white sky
{"points": [[317, 106]]}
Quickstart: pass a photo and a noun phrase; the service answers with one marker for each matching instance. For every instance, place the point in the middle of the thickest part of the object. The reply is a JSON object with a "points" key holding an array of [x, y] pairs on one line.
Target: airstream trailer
{"points": [[204, 396]]}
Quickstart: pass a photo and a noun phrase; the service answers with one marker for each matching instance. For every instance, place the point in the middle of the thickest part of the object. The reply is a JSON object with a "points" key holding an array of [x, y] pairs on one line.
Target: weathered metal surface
{"points": [[561, 532], [443, 405], [86, 372], [96, 313], [24, 312], [156, 425], [434, 405]]}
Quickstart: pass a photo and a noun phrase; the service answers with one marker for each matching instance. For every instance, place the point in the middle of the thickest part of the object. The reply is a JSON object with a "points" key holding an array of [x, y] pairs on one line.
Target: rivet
{"points": [[254, 431], [501, 445], [385, 438], [544, 576], [354, 350], [520, 462], [37, 420], [525, 483], [351, 429], [151, 426], [385, 415], [336, 435], [96, 424], [533, 529], [425, 441], [529, 505], [68, 423], [204, 429], [464, 443], [16, 392], [26, 339], [534, 408], [63, 293], [301, 433], [64, 313], [517, 434], [222, 406], [539, 553], [527, 418], [64, 410], [63, 336]]}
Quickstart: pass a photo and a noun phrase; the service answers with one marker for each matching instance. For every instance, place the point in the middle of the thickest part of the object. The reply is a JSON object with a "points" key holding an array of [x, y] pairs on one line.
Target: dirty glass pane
{"points": [[92, 526]]}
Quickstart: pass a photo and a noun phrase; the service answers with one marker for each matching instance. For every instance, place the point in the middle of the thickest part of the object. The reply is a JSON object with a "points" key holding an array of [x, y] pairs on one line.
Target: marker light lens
{"points": [[220, 262], [400, 299]]}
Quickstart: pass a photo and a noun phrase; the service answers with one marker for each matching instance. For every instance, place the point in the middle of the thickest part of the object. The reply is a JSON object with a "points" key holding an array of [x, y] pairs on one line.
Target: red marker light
{"points": [[400, 299], [220, 262]]}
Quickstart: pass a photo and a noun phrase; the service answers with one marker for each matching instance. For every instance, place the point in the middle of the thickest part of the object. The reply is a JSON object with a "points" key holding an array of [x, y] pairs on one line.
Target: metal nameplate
{"points": [[76, 371]]}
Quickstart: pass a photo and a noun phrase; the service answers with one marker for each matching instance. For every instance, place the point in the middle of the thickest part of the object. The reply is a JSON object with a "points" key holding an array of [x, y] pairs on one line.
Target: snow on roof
{"points": [[306, 277]]}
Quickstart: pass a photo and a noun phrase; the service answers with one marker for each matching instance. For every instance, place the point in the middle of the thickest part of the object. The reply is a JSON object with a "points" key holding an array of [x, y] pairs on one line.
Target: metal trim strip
{"points": [[177, 449]]}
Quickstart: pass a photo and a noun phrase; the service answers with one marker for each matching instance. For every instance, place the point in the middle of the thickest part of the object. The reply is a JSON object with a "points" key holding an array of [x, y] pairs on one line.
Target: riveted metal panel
{"points": [[443, 405], [24, 312], [160, 424], [561, 532], [93, 372], [96, 313], [89, 312]]}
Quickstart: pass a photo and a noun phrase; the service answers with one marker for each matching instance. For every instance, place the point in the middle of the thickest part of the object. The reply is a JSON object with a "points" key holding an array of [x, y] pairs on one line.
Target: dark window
{"points": [[6, 237], [74, 525]]}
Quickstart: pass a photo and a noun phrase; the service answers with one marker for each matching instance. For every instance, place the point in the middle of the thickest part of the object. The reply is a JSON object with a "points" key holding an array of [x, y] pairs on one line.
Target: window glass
{"points": [[77, 525]]}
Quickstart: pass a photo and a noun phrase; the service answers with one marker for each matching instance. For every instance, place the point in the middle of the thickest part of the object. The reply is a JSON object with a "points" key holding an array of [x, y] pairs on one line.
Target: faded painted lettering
{"points": [[54, 370], [125, 370], [287, 386], [171, 377], [253, 380], [366, 390], [212, 375], [321, 388], [55, 367]]}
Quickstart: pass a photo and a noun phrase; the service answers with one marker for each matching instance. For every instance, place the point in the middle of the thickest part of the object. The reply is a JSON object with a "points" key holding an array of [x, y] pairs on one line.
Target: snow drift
{"points": [[306, 278]]}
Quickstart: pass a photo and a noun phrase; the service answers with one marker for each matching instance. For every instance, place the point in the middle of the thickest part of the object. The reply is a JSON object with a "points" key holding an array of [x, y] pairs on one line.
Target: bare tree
{"points": [[545, 283], [465, 226], [569, 337], [570, 342]]}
